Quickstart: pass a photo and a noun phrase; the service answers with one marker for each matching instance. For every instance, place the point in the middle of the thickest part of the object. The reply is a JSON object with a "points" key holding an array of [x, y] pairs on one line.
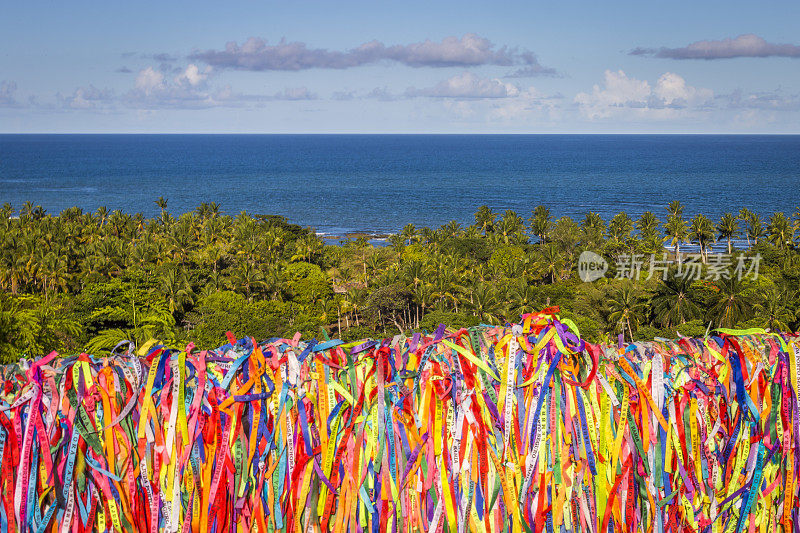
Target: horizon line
{"points": [[406, 133]]}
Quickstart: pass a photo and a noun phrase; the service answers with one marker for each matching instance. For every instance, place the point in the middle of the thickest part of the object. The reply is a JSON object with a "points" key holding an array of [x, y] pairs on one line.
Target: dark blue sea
{"points": [[378, 183]]}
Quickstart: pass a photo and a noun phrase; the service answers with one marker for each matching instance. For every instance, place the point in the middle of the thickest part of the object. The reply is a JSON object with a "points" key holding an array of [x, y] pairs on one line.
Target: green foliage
{"points": [[85, 281], [589, 329], [480, 249], [449, 319], [306, 282], [31, 327], [225, 311], [693, 328], [507, 260], [648, 333], [357, 333]]}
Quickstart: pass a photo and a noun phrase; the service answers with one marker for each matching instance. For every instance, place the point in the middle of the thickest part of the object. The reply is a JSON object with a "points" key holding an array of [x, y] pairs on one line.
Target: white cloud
{"points": [[671, 91], [621, 96], [528, 104], [619, 90], [188, 89], [467, 85], [149, 81], [521, 110], [193, 76], [89, 97]]}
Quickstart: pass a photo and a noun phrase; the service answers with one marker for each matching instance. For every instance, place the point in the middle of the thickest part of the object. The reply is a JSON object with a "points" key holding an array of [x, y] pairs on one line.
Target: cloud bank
{"points": [[471, 50], [467, 85], [747, 45], [765, 101], [622, 95], [155, 89], [89, 97]]}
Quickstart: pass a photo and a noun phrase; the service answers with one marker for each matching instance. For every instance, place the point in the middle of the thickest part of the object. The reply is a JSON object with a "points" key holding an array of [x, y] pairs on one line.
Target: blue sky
{"points": [[410, 67]]}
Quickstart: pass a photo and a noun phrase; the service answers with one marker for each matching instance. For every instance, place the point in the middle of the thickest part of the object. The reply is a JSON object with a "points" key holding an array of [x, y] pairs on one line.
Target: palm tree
{"points": [[647, 224], [775, 310], [409, 233], [566, 235], [153, 322], [675, 209], [307, 247], [182, 241], [728, 228], [175, 287], [675, 231], [620, 228], [485, 219], [593, 230], [541, 222], [246, 277], [396, 242], [672, 303], [550, 262], [511, 228], [162, 204], [423, 296], [754, 228], [273, 239], [483, 302], [731, 302], [374, 264], [796, 223], [206, 210], [701, 231], [625, 308], [26, 212], [451, 229], [55, 273], [745, 215], [428, 235], [102, 215], [780, 231], [525, 299], [416, 271], [353, 302]]}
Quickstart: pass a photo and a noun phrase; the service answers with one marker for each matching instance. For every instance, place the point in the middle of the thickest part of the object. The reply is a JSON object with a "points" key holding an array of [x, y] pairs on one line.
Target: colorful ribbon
{"points": [[488, 429]]}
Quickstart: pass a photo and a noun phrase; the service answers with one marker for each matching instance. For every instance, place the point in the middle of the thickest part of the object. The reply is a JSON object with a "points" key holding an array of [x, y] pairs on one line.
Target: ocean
{"points": [[378, 183]]}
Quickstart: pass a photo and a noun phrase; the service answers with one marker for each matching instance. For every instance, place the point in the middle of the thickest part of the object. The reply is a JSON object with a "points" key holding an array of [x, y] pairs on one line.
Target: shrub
{"points": [[306, 282], [453, 320]]}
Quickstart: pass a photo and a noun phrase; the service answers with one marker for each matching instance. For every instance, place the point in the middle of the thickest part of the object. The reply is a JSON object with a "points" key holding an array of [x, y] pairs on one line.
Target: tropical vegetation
{"points": [[89, 280]]}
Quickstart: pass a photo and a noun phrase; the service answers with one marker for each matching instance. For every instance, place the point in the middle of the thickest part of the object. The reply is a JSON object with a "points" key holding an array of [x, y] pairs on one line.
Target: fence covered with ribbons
{"points": [[490, 429]]}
